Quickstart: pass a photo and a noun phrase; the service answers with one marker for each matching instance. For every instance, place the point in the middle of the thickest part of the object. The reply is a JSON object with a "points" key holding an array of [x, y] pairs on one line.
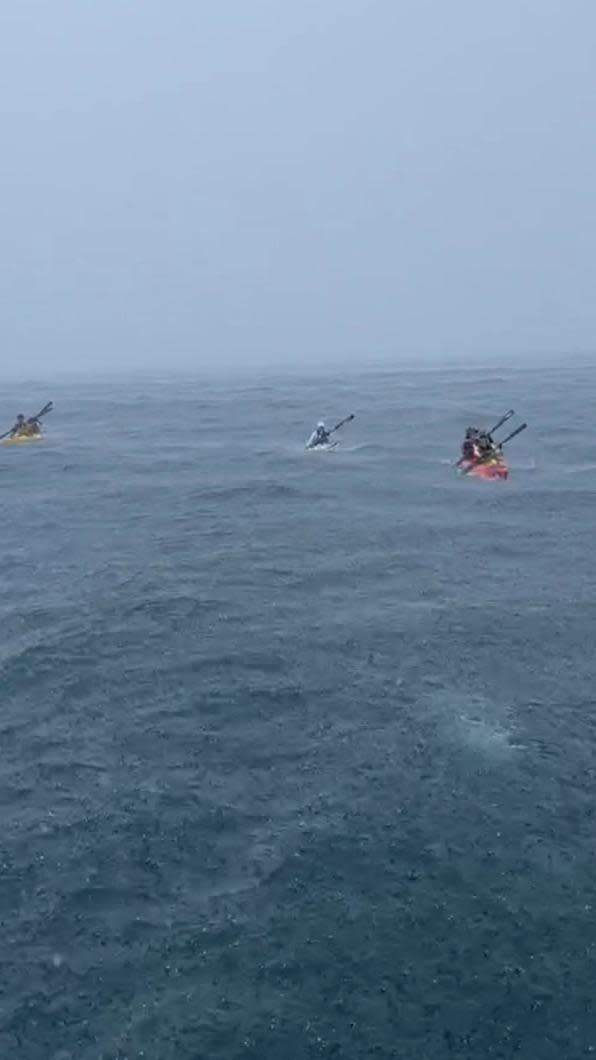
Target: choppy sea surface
{"points": [[297, 751]]}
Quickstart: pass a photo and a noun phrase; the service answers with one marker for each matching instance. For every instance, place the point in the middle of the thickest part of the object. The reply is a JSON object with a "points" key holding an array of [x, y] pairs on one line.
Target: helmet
{"points": [[472, 432], [321, 423]]}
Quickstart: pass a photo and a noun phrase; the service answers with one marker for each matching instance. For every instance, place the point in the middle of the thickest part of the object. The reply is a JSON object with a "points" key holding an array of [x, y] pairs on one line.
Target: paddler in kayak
{"points": [[25, 428], [468, 449], [485, 447], [20, 426], [477, 446], [28, 428], [481, 455], [320, 436]]}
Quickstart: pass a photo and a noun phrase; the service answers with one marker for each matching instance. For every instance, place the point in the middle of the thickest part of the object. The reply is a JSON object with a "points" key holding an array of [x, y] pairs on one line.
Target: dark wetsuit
{"points": [[485, 446]]}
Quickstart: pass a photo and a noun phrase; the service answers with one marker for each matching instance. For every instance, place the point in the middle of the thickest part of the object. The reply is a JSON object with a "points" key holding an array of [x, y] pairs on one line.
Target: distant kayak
{"points": [[495, 468], [482, 457], [320, 439], [26, 430], [20, 439]]}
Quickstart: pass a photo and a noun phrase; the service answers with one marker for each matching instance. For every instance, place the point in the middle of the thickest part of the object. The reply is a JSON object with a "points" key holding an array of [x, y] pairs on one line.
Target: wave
{"points": [[255, 490], [579, 469]]}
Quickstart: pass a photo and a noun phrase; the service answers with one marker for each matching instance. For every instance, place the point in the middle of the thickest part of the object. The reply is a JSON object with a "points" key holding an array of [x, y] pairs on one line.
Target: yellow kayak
{"points": [[19, 439]]}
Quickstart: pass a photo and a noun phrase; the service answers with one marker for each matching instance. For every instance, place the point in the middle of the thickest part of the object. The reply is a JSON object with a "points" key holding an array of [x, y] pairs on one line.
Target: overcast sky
{"points": [[189, 182]]}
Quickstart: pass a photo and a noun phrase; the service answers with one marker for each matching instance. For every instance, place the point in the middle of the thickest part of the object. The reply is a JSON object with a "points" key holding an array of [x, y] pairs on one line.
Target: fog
{"points": [[201, 183]]}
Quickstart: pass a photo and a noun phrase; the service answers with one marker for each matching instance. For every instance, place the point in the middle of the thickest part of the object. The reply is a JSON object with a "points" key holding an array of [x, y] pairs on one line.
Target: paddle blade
{"points": [[503, 420], [348, 419], [44, 411], [513, 434]]}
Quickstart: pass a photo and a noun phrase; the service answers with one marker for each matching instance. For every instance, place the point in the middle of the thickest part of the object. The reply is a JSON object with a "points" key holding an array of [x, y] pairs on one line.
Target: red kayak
{"points": [[493, 468]]}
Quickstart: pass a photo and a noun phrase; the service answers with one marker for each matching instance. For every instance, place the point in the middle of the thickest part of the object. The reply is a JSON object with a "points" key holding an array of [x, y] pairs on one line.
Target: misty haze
{"points": [[289, 182]]}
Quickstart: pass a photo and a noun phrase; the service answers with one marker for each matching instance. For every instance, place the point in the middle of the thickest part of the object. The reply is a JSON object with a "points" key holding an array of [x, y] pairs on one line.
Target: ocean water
{"points": [[297, 751]]}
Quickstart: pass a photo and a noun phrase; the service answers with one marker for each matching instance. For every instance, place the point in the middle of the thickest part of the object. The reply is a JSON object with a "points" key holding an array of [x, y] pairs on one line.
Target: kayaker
{"points": [[20, 426], [477, 445], [320, 436], [485, 446], [468, 449]]}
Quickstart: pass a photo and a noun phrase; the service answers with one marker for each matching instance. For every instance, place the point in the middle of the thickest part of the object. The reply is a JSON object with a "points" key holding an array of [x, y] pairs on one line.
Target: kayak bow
{"points": [[20, 439], [494, 468]]}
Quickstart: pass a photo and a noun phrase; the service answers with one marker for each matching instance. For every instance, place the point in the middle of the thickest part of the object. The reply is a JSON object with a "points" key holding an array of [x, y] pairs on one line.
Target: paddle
{"points": [[42, 412], [348, 419], [32, 419], [503, 420], [517, 430]]}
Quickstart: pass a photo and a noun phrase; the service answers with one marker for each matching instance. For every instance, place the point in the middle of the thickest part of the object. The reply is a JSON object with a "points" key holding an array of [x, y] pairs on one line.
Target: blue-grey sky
{"points": [[189, 182]]}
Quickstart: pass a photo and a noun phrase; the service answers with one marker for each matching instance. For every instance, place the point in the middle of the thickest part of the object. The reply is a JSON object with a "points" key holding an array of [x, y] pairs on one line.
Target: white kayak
{"points": [[323, 447]]}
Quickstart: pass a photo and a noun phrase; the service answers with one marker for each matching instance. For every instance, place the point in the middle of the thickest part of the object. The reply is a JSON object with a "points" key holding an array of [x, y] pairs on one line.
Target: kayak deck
{"points": [[495, 468], [323, 447], [21, 439]]}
